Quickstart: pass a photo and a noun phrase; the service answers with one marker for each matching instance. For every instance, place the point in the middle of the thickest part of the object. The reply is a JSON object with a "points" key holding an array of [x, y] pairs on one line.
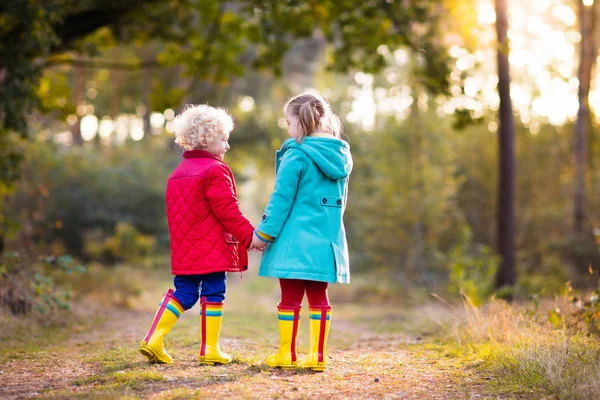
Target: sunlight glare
{"points": [[169, 114], [519, 58], [543, 48], [486, 15], [455, 51], [122, 128], [246, 104], [471, 86], [72, 119], [89, 127], [157, 120], [401, 56], [136, 128], [107, 126], [534, 24], [65, 138], [517, 19], [565, 14], [170, 127]]}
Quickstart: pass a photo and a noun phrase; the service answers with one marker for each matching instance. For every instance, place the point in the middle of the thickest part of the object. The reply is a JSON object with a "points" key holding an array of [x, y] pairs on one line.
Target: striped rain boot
{"points": [[168, 313], [289, 324], [210, 328], [320, 319]]}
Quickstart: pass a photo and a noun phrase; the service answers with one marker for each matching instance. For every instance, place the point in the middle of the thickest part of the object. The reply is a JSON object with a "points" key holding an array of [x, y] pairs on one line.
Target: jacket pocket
{"points": [[230, 239], [342, 270], [328, 201]]}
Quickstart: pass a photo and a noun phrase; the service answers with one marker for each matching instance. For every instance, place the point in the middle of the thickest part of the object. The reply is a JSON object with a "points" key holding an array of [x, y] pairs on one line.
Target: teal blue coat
{"points": [[305, 212]]}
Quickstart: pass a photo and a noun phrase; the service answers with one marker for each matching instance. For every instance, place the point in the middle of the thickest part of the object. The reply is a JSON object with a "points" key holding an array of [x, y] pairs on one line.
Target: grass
{"points": [[384, 350], [525, 351], [21, 336]]}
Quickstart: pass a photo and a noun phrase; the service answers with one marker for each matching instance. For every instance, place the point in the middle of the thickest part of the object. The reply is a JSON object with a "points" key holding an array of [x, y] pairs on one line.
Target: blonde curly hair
{"points": [[198, 125]]}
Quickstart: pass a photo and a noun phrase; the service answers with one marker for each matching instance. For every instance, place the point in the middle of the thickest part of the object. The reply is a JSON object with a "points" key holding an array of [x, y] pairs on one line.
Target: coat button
{"points": [[339, 202], [264, 217], [324, 201]]}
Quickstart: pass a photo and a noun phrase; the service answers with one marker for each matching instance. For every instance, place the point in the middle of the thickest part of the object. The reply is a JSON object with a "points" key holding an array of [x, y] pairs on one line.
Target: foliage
{"points": [[418, 185], [126, 245], [409, 219], [588, 311], [64, 194], [105, 202], [472, 269], [219, 41], [41, 285], [578, 312], [524, 349]]}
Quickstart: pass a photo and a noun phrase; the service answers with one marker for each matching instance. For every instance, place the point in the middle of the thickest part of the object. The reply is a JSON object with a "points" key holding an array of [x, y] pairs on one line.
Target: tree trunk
{"points": [[78, 88], [506, 275], [115, 83], [418, 182], [2, 229], [2, 116], [146, 88], [587, 59]]}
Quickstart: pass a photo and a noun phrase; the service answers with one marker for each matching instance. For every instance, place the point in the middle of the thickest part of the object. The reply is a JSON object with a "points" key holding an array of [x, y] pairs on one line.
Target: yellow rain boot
{"points": [[210, 328], [289, 324], [168, 313], [319, 320]]}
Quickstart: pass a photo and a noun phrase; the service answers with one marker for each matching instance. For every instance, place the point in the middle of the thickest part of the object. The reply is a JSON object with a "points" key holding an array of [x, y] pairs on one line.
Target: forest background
{"points": [[460, 188]]}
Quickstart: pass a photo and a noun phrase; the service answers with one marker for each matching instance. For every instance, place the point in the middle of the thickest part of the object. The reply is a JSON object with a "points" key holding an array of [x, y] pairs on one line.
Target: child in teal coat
{"points": [[303, 225]]}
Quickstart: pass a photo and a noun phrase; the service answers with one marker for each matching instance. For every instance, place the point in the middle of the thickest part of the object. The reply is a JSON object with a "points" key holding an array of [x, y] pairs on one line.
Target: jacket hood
{"points": [[332, 156]]}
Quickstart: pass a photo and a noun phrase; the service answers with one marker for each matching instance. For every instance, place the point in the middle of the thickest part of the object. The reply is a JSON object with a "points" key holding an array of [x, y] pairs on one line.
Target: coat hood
{"points": [[332, 156]]}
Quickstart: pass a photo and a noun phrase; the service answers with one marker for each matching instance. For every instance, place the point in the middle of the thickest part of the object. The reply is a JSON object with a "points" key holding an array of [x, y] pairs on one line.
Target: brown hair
{"points": [[314, 112]]}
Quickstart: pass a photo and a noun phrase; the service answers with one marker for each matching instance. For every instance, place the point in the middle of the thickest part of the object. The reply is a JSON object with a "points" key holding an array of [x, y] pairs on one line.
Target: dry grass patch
{"points": [[523, 350]]}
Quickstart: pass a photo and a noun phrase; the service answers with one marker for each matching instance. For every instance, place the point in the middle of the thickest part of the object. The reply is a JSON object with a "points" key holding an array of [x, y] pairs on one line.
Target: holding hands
{"points": [[257, 244]]}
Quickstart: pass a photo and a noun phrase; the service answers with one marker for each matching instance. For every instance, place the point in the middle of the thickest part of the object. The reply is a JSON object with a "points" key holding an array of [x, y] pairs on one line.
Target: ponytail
{"points": [[314, 113], [307, 118]]}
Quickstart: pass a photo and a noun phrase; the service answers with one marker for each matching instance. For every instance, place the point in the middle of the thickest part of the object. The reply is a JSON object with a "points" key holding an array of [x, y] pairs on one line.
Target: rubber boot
{"points": [[167, 314], [289, 324], [319, 320], [210, 328]]}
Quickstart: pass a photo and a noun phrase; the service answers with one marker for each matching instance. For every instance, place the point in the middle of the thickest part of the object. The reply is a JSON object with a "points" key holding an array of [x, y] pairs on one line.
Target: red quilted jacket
{"points": [[209, 232]]}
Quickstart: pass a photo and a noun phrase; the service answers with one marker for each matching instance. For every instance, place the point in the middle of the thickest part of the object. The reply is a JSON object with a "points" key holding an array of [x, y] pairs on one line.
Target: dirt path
{"points": [[102, 361]]}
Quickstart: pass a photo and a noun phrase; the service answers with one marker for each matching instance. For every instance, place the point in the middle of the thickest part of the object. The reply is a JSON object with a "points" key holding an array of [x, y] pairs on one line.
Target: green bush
{"points": [[67, 193], [472, 269], [41, 285], [127, 244]]}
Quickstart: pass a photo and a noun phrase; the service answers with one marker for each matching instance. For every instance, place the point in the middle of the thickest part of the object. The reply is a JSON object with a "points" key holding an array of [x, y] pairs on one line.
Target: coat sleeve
{"points": [[282, 198], [223, 202]]}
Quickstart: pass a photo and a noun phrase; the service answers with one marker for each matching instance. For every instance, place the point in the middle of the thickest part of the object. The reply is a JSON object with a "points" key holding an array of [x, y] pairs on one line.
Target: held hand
{"points": [[257, 244]]}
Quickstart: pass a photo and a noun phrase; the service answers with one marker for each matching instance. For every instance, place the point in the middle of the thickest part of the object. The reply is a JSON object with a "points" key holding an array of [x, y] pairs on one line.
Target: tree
{"points": [[209, 39], [587, 60], [506, 275], [29, 33]]}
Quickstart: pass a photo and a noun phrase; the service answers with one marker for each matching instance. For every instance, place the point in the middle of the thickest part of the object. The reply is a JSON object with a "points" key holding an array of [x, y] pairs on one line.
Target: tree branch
{"points": [[213, 31], [101, 64], [78, 25], [397, 24]]}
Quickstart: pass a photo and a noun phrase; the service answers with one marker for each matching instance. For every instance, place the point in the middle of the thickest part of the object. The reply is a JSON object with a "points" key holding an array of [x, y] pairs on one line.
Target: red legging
{"points": [[292, 292]]}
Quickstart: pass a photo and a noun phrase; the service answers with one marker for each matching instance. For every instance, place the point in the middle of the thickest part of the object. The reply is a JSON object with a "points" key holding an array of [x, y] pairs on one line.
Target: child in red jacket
{"points": [[209, 233]]}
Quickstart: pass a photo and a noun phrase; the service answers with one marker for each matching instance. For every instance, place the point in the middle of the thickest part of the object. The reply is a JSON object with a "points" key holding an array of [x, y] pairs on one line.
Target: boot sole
{"points": [[291, 366], [314, 368], [208, 362], [152, 356]]}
